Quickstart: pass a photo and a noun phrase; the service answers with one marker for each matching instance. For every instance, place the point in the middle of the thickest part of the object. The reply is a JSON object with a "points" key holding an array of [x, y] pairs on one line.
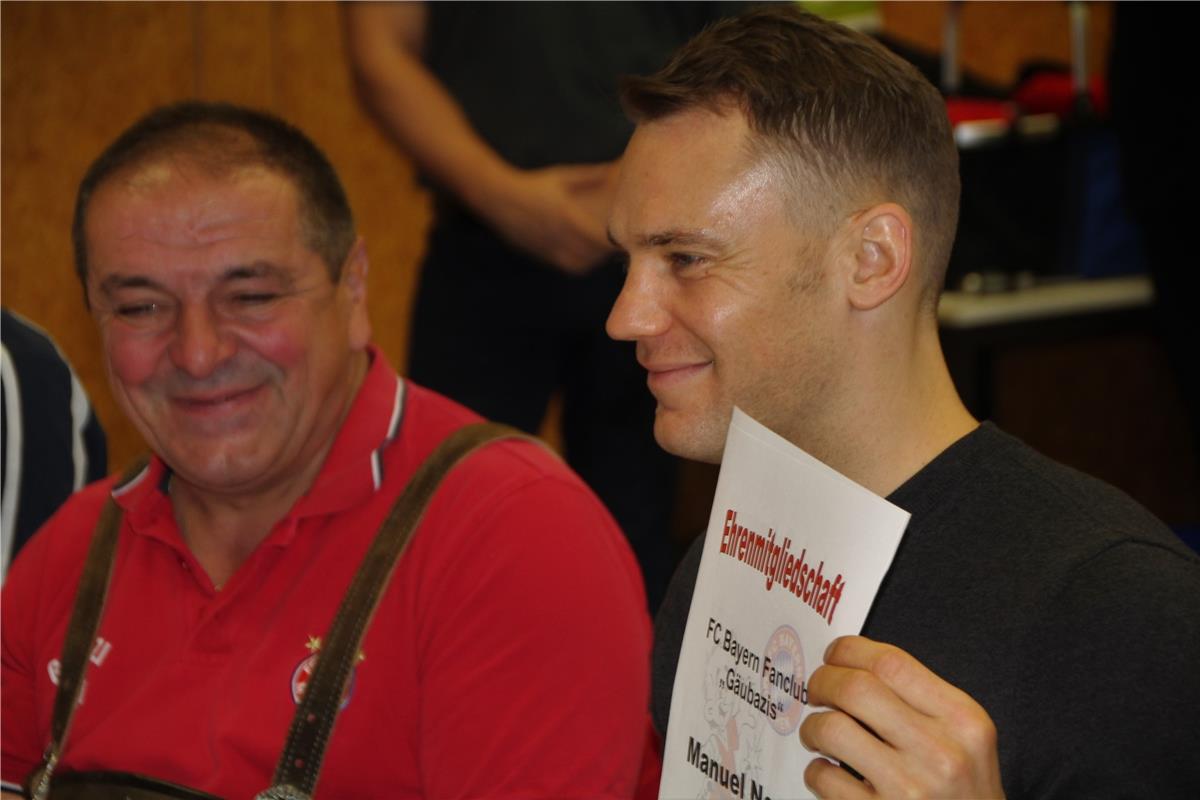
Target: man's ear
{"points": [[881, 241], [354, 282]]}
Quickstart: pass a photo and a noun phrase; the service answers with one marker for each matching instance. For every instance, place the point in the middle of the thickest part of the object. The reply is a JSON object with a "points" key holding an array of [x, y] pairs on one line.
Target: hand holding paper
{"points": [[930, 739]]}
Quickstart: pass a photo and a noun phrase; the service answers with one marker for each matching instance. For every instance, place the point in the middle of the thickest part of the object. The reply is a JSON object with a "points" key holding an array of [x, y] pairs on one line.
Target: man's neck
{"points": [[904, 411], [222, 529]]}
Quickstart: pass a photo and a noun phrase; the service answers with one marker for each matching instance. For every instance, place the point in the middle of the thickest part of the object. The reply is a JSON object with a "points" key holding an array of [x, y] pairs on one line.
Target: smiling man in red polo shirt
{"points": [[508, 655]]}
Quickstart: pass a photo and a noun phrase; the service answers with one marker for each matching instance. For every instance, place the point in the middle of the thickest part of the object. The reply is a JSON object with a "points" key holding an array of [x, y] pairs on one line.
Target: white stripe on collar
{"points": [[392, 430], [129, 485]]}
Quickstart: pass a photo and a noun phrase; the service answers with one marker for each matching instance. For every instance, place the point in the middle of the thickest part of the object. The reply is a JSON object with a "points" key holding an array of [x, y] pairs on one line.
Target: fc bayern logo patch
{"points": [[303, 673]]}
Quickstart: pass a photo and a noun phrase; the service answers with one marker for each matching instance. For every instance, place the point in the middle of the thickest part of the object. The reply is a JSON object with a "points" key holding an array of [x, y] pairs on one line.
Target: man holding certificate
{"points": [[787, 205]]}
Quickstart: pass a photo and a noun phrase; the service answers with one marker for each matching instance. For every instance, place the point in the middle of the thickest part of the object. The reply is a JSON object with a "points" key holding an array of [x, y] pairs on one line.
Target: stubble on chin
{"points": [[700, 440]]}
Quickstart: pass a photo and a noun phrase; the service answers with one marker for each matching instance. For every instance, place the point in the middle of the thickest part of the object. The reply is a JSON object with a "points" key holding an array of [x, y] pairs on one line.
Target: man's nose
{"points": [[200, 343], [639, 312]]}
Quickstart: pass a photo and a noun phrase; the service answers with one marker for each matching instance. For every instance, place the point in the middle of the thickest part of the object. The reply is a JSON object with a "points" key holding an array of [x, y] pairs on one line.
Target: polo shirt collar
{"points": [[353, 468]]}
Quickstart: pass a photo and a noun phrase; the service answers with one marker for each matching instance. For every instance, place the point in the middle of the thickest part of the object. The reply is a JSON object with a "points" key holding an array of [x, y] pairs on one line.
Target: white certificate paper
{"points": [[794, 556]]}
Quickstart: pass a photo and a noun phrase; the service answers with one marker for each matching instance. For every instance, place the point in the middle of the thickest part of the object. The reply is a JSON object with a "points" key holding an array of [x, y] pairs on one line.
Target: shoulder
{"points": [[1006, 510], [62, 542], [499, 467], [21, 337], [1007, 541], [33, 361], [1093, 518], [511, 501], [41, 582], [994, 485], [32, 356], [518, 488]]}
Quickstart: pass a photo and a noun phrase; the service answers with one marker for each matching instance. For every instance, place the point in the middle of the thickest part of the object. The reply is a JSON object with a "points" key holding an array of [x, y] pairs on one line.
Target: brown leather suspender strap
{"points": [[81, 633], [300, 764]]}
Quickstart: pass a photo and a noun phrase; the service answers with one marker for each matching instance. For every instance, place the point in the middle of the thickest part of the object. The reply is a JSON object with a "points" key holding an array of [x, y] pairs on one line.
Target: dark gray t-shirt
{"points": [[1064, 608]]}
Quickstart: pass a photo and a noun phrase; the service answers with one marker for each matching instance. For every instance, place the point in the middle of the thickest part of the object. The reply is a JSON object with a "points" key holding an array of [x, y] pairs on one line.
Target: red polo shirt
{"points": [[508, 657]]}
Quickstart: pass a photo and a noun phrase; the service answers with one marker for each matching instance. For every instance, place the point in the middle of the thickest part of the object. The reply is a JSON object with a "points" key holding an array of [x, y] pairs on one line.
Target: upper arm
{"points": [[377, 32], [20, 743], [1114, 654], [35, 605], [541, 630]]}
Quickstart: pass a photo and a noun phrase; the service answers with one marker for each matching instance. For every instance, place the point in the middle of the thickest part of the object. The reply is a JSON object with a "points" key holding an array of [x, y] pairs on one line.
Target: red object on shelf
{"points": [[1054, 92], [976, 109]]}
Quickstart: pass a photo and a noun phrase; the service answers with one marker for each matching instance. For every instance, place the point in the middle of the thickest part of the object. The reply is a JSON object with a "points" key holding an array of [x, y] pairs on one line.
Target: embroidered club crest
{"points": [[303, 672]]}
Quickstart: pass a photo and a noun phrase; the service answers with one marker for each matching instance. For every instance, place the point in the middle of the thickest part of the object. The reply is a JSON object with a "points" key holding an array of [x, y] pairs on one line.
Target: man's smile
{"points": [[217, 403], [665, 375]]}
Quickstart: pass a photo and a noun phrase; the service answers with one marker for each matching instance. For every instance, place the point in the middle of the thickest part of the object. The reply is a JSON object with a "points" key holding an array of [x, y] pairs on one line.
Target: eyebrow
{"points": [[115, 283], [672, 237], [255, 269]]}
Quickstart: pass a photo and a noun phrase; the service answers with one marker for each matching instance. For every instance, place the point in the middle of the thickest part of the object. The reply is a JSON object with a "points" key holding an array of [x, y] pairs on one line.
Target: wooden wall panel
{"points": [[235, 54]]}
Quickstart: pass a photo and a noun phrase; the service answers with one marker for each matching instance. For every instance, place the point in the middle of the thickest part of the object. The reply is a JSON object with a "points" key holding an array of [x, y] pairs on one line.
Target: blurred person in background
{"points": [[52, 441]]}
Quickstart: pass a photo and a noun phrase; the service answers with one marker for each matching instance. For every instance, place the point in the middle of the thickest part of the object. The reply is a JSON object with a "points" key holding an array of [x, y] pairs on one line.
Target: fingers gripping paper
{"points": [[794, 556]]}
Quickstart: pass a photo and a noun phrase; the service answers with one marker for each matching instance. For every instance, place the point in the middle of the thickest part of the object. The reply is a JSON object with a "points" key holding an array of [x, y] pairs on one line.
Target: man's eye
{"points": [[134, 311], [254, 298], [684, 260]]}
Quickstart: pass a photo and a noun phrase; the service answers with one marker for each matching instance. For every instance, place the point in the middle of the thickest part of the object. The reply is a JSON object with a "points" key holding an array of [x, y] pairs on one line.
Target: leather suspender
{"points": [[299, 764], [81, 632]]}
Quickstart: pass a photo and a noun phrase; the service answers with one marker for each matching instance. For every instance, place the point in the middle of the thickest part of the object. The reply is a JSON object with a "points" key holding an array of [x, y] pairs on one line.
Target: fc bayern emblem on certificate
{"points": [[783, 678]]}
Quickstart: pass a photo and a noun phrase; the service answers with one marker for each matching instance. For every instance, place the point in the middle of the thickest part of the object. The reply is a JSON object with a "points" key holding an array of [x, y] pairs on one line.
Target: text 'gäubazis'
{"points": [[781, 568]]}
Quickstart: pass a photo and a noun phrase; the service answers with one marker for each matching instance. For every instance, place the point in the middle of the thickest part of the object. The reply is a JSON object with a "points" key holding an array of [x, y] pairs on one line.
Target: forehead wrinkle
{"points": [[754, 187], [202, 213], [676, 207], [260, 268], [684, 238], [116, 282], [253, 270]]}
